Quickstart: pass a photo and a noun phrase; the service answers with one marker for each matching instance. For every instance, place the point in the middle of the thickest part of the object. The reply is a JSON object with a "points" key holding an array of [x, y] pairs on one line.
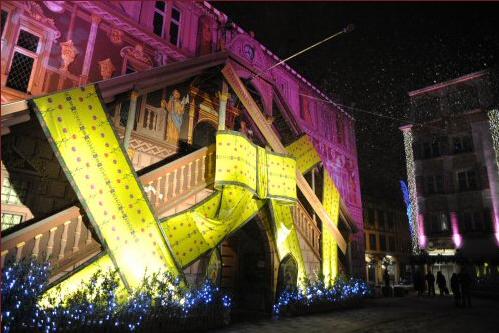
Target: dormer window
{"points": [[175, 27], [164, 11], [159, 18]]}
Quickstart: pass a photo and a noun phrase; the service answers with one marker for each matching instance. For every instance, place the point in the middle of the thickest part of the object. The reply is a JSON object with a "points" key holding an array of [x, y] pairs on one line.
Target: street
{"points": [[385, 315]]}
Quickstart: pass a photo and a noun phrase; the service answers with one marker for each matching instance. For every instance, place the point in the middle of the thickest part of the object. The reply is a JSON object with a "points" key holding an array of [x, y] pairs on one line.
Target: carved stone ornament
{"points": [[35, 11], [106, 68], [136, 53], [160, 58], [68, 54], [55, 6], [115, 36]]}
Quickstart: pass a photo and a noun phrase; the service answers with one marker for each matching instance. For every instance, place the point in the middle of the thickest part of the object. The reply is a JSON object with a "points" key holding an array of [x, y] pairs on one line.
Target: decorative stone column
{"points": [[192, 109], [224, 96], [131, 119], [90, 49]]}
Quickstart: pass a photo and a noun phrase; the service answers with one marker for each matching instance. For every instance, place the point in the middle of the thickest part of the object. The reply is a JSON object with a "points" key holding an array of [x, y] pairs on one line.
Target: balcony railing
{"points": [[307, 227], [177, 180], [62, 239]]}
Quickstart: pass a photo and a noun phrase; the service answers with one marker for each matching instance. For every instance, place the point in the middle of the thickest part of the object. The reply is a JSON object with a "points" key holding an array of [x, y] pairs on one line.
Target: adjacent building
{"points": [[388, 244], [452, 165]]}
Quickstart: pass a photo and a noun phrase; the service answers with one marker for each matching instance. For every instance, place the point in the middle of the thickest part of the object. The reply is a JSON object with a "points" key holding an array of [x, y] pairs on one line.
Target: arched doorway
{"points": [[288, 275], [246, 272], [204, 134]]}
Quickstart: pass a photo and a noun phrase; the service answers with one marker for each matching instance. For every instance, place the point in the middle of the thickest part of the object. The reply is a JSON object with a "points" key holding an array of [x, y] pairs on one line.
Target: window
{"points": [[439, 222], [462, 144], [382, 242], [434, 184], [471, 221], [391, 243], [158, 22], [13, 191], [5, 15], [487, 219], [175, 27], [467, 180], [23, 61], [370, 216], [429, 149], [391, 223], [372, 242], [9, 220], [435, 148], [426, 150], [381, 219], [416, 148], [444, 222]]}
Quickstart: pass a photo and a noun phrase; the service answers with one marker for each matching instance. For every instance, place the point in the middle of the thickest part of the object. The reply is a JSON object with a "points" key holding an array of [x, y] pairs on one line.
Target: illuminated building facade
{"points": [[454, 171], [170, 73], [388, 242]]}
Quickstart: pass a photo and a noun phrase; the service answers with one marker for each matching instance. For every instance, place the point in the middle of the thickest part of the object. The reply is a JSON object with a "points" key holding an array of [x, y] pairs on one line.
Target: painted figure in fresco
{"points": [[175, 107], [245, 130]]}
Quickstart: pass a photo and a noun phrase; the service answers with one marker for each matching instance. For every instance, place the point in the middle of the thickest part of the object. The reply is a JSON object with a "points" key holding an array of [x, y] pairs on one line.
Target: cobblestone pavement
{"points": [[387, 315]]}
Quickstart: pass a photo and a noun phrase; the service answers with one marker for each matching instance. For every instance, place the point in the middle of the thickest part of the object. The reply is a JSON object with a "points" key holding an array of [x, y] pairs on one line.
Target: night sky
{"points": [[395, 48]]}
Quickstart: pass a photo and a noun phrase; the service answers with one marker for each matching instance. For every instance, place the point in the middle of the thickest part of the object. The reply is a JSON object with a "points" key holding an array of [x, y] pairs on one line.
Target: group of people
{"points": [[460, 285]]}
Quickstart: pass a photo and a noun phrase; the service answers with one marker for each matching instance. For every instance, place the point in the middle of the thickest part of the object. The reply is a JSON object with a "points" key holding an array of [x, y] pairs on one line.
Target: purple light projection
{"points": [[456, 236], [421, 232]]}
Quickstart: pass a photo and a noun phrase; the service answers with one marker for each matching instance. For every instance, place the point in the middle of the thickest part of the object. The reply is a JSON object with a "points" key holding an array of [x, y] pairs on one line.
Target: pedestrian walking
{"points": [[442, 284], [456, 289], [418, 283], [430, 280], [465, 282]]}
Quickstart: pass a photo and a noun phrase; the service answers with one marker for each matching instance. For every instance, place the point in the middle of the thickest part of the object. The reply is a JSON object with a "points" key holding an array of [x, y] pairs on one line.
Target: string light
{"points": [[494, 131], [317, 294], [411, 179], [96, 306], [410, 208]]}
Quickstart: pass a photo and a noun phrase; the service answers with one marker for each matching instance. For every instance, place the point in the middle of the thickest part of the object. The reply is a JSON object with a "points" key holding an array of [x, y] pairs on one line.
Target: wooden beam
{"points": [[245, 97]]}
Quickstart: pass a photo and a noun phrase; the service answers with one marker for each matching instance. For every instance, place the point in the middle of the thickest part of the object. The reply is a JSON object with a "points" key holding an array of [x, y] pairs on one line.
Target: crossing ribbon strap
{"points": [[331, 202], [101, 174], [286, 236], [245, 175], [306, 157], [194, 232], [304, 153], [264, 173]]}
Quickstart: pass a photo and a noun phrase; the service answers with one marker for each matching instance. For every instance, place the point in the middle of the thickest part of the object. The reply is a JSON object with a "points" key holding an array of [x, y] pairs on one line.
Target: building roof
{"points": [[442, 85]]}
